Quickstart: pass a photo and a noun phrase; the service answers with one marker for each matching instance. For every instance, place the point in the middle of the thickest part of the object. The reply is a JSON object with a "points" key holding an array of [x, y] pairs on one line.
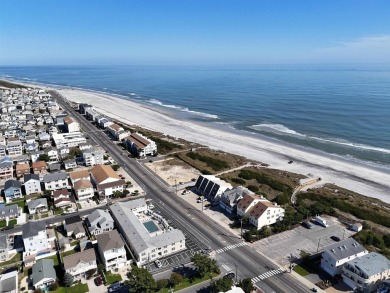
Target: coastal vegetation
{"points": [[10, 85]]}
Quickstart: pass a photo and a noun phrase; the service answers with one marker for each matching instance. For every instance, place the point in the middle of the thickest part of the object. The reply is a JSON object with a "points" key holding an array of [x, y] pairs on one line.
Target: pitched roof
{"points": [[34, 203], [85, 256], [115, 127], [5, 162], [111, 184], [39, 165], [259, 209], [72, 220], [42, 269], [344, 249], [246, 201], [3, 241], [12, 183], [139, 141], [28, 177], [103, 172], [78, 174], [371, 264], [110, 240], [20, 167], [83, 183], [59, 192], [31, 229], [97, 218], [54, 177]]}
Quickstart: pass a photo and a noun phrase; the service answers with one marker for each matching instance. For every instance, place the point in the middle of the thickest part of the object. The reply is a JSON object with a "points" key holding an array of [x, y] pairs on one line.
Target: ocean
{"points": [[343, 110]]}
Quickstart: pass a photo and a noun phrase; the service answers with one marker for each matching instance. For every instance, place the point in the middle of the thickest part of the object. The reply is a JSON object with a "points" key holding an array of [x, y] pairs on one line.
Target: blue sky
{"points": [[43, 32]]}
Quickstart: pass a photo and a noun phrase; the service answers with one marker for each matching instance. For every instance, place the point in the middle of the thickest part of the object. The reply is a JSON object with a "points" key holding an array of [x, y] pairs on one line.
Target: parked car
{"points": [[307, 225], [150, 206], [158, 263], [98, 281], [230, 275], [150, 161], [114, 287], [201, 200], [335, 238]]}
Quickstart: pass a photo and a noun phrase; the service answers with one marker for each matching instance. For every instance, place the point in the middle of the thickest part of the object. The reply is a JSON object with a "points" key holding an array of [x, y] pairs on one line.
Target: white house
{"points": [[61, 198], [34, 238], [111, 250], [99, 221], [38, 205], [53, 154], [83, 189], [246, 203], [70, 140], [80, 263], [265, 213], [106, 180], [43, 274], [71, 124], [336, 255], [78, 175], [93, 156], [116, 131], [32, 184], [140, 145], [55, 181]]}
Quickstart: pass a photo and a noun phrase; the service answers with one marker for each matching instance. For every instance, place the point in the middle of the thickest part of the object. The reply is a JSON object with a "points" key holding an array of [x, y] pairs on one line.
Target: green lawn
{"points": [[3, 224], [78, 206], [16, 258], [58, 212], [74, 242], [36, 217], [44, 215], [79, 288], [69, 252], [113, 278], [21, 204], [55, 258], [300, 270], [12, 222], [187, 283]]}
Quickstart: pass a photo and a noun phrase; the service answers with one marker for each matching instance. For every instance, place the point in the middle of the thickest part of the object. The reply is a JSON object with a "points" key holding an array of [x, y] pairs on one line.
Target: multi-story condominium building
{"points": [[111, 250], [149, 237], [80, 263], [6, 168], [265, 213], [117, 131], [34, 238], [38, 205], [43, 274], [99, 221], [366, 273], [3, 150], [140, 145], [12, 190], [14, 147], [83, 189], [32, 184], [22, 169], [212, 187], [106, 180], [55, 181], [335, 255], [93, 156], [70, 140], [71, 125]]}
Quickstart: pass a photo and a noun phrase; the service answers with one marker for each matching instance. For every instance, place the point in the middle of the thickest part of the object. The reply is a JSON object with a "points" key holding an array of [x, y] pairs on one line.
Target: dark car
{"points": [[335, 238], [230, 275], [114, 287], [98, 281], [150, 161], [307, 225]]}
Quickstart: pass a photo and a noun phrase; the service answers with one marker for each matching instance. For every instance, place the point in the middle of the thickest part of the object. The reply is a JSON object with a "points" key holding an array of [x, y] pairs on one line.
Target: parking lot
{"points": [[279, 247]]}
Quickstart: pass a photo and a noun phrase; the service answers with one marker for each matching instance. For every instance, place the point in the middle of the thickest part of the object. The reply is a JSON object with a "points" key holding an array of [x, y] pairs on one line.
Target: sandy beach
{"points": [[350, 175]]}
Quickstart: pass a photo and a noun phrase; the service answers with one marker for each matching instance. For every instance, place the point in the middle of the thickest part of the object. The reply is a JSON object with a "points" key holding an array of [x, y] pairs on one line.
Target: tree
{"points": [[265, 231], [47, 193], [44, 157], [246, 285], [140, 280], [125, 193], [221, 285], [67, 280], [115, 167], [386, 239], [54, 286], [175, 279], [205, 265], [90, 273], [161, 284], [128, 183], [75, 152]]}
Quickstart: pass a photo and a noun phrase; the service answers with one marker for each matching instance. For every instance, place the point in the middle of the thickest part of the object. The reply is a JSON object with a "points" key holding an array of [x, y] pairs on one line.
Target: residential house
{"points": [[78, 175], [31, 147], [43, 274], [9, 282], [104, 122], [14, 147], [336, 255], [140, 145], [74, 227], [38, 205], [54, 167], [3, 150], [52, 153], [85, 146], [106, 180], [93, 156], [9, 212], [230, 198], [80, 263], [39, 167], [117, 131], [3, 248], [35, 155], [63, 152], [247, 203], [55, 181], [70, 164], [83, 189], [265, 213], [32, 184], [22, 169], [12, 190], [34, 237], [61, 198], [99, 221], [111, 250], [6, 168], [211, 187], [71, 125], [365, 273]]}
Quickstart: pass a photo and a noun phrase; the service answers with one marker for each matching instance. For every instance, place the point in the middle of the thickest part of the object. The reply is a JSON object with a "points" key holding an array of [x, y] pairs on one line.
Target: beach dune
{"points": [[362, 179]]}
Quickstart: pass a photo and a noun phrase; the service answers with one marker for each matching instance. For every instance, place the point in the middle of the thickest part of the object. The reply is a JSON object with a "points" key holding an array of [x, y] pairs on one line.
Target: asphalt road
{"points": [[195, 224]]}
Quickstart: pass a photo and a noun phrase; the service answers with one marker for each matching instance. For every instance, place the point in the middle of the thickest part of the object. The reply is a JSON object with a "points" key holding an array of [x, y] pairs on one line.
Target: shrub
{"points": [[253, 188], [175, 279], [161, 284], [239, 181]]}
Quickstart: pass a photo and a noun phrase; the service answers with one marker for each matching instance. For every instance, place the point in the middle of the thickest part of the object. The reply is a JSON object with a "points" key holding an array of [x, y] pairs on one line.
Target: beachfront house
{"points": [[265, 213], [140, 145], [71, 125], [230, 198], [211, 187], [246, 203]]}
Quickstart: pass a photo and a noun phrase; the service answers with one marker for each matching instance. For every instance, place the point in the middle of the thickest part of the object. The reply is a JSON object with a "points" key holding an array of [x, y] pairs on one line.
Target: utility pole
{"points": [[236, 271], [344, 235], [241, 227], [176, 186], [318, 246], [202, 202], [290, 259]]}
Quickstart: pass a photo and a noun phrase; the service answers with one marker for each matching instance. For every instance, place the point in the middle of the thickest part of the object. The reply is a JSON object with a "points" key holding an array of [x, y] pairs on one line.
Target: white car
{"points": [[150, 206], [201, 200], [158, 263]]}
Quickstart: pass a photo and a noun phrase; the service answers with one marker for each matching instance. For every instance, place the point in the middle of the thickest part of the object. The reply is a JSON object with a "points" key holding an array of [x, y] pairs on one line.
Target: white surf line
{"points": [[267, 275], [223, 249]]}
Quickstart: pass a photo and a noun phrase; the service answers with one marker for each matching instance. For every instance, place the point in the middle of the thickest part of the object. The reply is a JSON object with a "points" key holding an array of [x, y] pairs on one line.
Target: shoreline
{"points": [[366, 180]]}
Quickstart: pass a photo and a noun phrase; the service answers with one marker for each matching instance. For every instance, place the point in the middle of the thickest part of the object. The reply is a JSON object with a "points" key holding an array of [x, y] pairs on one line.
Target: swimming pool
{"points": [[151, 226]]}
